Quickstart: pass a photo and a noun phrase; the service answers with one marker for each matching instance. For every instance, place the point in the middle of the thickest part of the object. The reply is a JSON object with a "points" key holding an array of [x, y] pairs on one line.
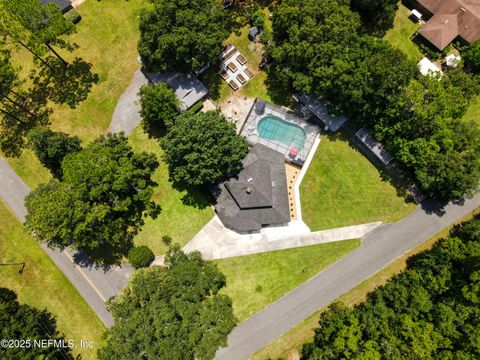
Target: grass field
{"points": [[288, 345], [399, 36], [177, 219], [342, 188], [254, 281], [43, 285], [107, 37]]}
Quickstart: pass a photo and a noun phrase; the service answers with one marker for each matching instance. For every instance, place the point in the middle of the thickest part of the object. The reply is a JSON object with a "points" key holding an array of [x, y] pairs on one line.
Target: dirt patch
{"points": [[235, 108]]}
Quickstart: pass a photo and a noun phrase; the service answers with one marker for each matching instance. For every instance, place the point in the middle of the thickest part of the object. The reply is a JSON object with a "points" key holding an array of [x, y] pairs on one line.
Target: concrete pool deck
{"points": [[261, 109]]}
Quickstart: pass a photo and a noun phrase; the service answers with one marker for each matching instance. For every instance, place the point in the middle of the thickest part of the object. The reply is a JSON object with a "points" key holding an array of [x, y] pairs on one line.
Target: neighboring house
{"points": [[258, 195], [450, 19], [374, 150], [64, 5], [188, 89]]}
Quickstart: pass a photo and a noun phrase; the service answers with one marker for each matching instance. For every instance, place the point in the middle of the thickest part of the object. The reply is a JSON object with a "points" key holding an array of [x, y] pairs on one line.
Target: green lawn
{"points": [[403, 29], [177, 219], [254, 281], [473, 111], [43, 285], [107, 36], [341, 188]]}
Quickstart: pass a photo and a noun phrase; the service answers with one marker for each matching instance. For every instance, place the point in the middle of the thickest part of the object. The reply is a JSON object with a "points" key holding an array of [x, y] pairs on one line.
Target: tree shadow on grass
{"points": [[196, 196], [213, 81]]}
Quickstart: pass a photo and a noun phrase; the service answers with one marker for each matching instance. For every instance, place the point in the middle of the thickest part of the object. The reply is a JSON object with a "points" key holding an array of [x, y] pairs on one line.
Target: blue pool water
{"points": [[274, 128]]}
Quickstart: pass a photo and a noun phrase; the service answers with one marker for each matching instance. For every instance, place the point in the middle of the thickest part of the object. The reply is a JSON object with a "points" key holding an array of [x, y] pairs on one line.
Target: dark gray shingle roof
{"points": [[188, 89], [258, 195], [64, 5]]}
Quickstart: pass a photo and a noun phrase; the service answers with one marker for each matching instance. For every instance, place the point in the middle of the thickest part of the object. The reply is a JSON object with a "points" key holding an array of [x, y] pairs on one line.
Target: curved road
{"points": [[380, 247]]}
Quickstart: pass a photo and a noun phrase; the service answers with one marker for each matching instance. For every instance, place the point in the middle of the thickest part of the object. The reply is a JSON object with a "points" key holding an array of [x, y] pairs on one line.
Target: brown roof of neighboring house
{"points": [[451, 18]]}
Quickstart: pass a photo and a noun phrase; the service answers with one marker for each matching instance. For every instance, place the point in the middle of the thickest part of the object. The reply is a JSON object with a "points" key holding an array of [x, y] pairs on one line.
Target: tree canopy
{"points": [[51, 147], [377, 15], [99, 203], [158, 108], [174, 312], [181, 35], [429, 311], [201, 148], [22, 322]]}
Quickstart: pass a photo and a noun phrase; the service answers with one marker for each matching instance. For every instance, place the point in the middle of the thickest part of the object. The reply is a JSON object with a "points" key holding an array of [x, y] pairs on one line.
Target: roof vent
{"points": [[249, 190], [446, 21], [250, 179], [463, 9]]}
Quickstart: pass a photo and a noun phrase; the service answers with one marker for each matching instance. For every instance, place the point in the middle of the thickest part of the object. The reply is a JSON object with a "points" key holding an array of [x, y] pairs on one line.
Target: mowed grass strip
{"points": [[254, 281], [342, 188], [182, 216], [44, 286]]}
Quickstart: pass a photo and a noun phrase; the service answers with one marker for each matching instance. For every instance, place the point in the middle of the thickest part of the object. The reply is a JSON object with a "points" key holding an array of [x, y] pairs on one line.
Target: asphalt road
{"points": [[95, 284], [379, 248]]}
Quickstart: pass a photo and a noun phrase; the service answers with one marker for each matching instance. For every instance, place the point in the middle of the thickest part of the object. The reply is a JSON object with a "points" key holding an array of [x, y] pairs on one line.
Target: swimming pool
{"points": [[272, 127]]}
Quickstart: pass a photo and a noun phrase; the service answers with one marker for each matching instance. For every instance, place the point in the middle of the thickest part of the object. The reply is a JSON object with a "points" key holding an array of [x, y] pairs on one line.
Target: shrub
{"points": [[196, 108], [73, 16], [140, 256]]}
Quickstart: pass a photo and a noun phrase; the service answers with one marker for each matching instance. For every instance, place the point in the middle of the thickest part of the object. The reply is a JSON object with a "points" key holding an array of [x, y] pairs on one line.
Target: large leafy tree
{"points": [[99, 204], [312, 40], [23, 322], [181, 35], [429, 311], [423, 127], [377, 15], [51, 147], [201, 148], [174, 312], [158, 107]]}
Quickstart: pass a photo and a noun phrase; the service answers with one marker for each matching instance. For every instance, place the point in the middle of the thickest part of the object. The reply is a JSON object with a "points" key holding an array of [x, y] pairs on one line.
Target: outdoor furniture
{"points": [[241, 79], [416, 15], [241, 59], [232, 67], [224, 74], [248, 72], [233, 85]]}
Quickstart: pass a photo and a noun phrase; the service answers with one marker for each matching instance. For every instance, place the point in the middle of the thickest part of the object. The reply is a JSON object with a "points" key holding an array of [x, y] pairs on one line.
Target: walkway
{"points": [[379, 248], [126, 115], [215, 241], [95, 284]]}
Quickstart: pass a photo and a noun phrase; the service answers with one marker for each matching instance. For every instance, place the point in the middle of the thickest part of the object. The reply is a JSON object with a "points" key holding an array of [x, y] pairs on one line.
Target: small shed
{"points": [[453, 60], [375, 148], [64, 5], [427, 67], [253, 32]]}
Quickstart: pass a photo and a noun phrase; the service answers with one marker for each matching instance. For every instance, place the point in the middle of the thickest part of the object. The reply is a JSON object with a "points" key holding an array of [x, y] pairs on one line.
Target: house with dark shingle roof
{"points": [[257, 196], [64, 5], [450, 19], [188, 89]]}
